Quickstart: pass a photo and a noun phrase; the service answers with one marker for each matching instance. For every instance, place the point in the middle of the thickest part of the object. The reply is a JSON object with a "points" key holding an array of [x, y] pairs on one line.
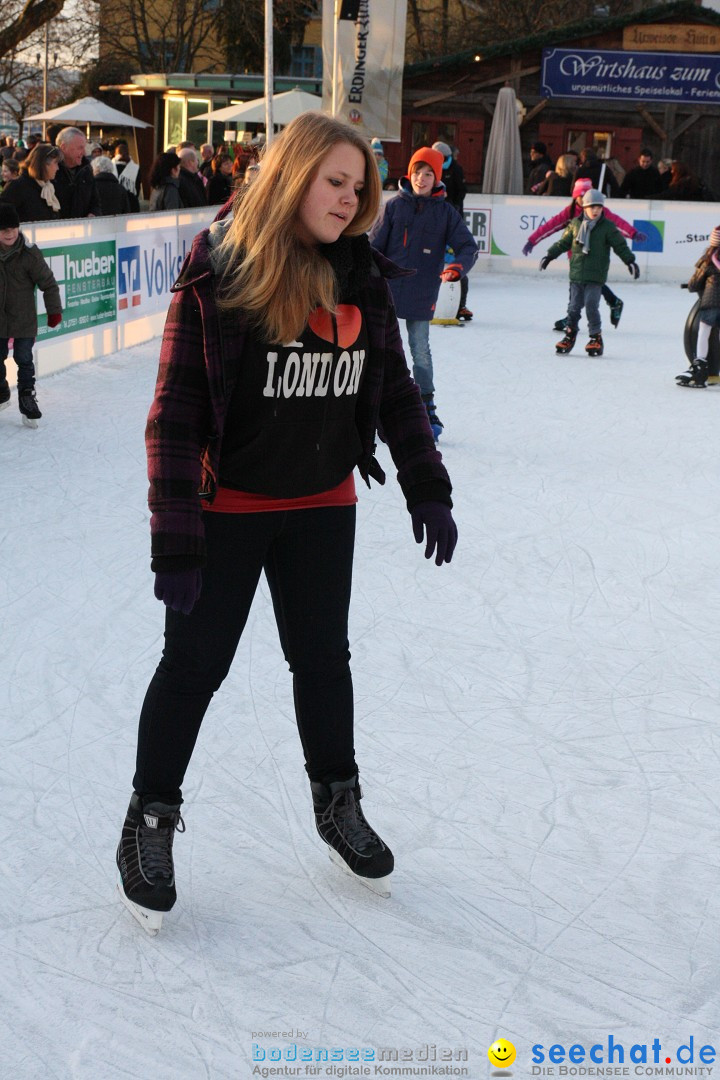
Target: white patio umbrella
{"points": [[503, 162], [286, 107], [89, 111]]}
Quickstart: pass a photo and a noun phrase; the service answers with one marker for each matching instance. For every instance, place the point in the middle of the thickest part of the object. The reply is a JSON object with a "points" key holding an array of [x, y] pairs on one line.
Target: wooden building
{"points": [[452, 98]]}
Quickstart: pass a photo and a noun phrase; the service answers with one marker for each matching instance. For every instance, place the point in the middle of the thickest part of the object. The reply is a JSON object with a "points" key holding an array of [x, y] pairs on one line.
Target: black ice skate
{"points": [[696, 375], [27, 403], [435, 422], [145, 862], [560, 325], [594, 346], [567, 343], [352, 844], [616, 310], [4, 396]]}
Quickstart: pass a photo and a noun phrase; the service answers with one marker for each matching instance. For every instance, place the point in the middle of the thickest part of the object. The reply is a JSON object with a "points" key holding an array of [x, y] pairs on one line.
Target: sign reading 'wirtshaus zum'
{"points": [[642, 76]]}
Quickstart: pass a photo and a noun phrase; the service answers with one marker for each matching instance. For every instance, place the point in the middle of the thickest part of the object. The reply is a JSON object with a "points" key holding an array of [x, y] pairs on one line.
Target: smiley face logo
{"points": [[501, 1054]]}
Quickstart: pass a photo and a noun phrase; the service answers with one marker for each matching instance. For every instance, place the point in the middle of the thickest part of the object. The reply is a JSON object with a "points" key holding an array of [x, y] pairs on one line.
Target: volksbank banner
{"points": [[363, 56], [642, 76]]}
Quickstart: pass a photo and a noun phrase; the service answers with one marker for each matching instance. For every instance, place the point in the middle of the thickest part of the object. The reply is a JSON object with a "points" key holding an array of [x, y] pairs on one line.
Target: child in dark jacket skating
{"points": [[22, 267], [706, 282], [589, 240], [414, 230]]}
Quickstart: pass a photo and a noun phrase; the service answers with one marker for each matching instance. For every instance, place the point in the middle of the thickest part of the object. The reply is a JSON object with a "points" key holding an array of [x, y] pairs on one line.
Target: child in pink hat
{"points": [[560, 221]]}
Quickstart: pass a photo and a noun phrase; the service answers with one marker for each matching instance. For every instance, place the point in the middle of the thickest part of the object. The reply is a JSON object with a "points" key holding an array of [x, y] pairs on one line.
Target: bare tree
{"points": [[244, 32], [162, 36], [21, 18]]}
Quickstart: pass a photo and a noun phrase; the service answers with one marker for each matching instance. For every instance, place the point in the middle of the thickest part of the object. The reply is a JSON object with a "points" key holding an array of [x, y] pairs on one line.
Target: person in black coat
{"points": [[165, 183], [33, 193], [643, 181], [685, 186], [74, 183], [540, 166], [113, 197], [192, 188], [590, 168], [220, 184]]}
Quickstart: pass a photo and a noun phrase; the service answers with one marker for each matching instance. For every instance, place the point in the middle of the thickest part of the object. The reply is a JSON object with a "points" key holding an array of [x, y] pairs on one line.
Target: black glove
{"points": [[178, 589], [634, 269], [434, 521], [545, 262]]}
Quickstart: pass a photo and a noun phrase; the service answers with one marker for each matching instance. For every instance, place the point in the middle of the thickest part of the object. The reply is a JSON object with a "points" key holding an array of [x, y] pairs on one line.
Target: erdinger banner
{"points": [[363, 58]]}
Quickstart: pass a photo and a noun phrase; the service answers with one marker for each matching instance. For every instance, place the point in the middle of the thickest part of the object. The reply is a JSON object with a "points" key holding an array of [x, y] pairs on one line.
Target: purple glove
{"points": [[641, 237], [441, 531], [528, 248], [178, 589]]}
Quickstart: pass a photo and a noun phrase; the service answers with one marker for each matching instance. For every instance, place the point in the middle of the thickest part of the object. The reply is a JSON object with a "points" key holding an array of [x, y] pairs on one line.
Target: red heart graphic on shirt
{"points": [[349, 321]]}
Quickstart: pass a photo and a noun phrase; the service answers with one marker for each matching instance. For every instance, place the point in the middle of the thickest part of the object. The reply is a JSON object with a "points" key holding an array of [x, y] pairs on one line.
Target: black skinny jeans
{"points": [[307, 558]]}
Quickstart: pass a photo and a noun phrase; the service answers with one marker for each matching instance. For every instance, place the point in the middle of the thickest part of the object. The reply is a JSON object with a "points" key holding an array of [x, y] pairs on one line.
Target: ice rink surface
{"points": [[537, 729]]}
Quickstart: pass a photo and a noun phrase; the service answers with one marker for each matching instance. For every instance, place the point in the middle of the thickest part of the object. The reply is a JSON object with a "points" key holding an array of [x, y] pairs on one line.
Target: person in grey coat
{"points": [[22, 268]]}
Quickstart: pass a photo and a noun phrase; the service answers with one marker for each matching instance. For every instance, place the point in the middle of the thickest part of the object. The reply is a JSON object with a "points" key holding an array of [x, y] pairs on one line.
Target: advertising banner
{"points": [[148, 265], [645, 76], [677, 233], [86, 274], [364, 60]]}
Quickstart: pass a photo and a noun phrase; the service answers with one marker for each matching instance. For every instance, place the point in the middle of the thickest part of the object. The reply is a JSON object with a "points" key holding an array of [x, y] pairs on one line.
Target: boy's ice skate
{"points": [[464, 314], [696, 375], [144, 859], [567, 343], [4, 396], [616, 310], [27, 403], [435, 422], [352, 844], [594, 346]]}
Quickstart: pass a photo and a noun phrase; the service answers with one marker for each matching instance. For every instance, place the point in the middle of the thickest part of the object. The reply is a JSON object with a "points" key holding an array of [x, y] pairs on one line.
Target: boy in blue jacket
{"points": [[416, 227]]}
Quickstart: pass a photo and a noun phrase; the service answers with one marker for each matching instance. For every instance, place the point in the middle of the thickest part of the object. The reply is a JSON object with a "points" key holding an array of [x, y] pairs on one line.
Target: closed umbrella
{"points": [[503, 162]]}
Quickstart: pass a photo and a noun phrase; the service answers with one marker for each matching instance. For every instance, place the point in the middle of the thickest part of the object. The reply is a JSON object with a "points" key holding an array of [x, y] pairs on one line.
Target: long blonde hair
{"points": [[265, 267]]}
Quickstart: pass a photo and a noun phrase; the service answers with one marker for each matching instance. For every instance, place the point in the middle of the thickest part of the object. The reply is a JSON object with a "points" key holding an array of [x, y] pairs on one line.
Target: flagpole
{"points": [[269, 76], [336, 19]]}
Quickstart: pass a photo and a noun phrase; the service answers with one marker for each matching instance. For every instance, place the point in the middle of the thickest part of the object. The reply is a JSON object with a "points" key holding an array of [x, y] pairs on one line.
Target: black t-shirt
{"points": [[290, 427]]}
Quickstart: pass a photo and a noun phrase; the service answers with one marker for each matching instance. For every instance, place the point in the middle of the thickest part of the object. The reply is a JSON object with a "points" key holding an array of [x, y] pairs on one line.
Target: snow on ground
{"points": [[536, 726]]}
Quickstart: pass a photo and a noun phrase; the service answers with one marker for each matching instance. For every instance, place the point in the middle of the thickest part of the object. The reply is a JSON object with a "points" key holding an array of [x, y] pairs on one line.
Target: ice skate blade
{"points": [[28, 422], [5, 405], [380, 886], [151, 921]]}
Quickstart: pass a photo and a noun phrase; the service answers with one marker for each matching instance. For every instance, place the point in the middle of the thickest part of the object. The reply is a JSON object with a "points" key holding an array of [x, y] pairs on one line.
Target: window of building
{"points": [[197, 130], [306, 62]]}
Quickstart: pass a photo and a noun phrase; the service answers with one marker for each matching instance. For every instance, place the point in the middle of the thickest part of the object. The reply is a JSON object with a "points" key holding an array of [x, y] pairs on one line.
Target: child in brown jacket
{"points": [[22, 267]]}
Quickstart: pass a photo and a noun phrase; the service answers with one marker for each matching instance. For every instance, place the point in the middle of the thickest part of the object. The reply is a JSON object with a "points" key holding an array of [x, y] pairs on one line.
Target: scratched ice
{"points": [[536, 727]]}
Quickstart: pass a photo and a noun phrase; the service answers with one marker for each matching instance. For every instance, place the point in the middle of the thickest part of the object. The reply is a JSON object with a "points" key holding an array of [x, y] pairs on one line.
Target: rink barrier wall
{"points": [[115, 273]]}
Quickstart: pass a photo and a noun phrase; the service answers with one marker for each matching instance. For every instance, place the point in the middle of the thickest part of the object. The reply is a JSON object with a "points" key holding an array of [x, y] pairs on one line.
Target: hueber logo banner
{"points": [[363, 57]]}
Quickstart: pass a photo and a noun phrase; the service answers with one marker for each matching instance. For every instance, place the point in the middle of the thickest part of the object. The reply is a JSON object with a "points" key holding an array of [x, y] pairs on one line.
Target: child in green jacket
{"points": [[589, 239]]}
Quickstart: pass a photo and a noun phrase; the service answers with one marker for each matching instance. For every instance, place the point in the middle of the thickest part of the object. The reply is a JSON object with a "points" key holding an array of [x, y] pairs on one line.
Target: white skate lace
{"points": [[344, 813]]}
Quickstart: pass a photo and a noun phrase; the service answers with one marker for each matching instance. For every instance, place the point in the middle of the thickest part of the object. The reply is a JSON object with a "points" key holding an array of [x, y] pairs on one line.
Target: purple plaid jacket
{"points": [[187, 417]]}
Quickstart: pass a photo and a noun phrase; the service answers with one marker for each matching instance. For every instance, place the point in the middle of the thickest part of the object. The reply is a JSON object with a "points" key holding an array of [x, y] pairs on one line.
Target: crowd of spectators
{"points": [[65, 176], [645, 180]]}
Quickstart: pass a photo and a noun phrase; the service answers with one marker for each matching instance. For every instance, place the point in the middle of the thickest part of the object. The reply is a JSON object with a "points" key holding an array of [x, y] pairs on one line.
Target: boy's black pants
{"points": [[307, 559]]}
